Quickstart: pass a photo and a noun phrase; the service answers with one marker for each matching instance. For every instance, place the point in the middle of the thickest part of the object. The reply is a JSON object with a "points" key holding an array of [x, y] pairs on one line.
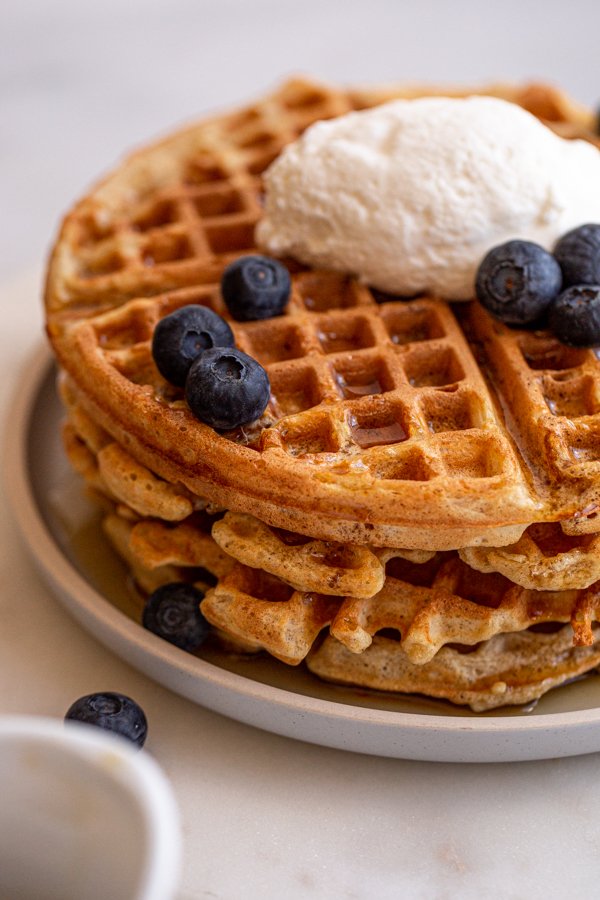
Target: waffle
{"points": [[171, 533], [420, 470], [509, 669], [189, 545], [382, 428], [554, 408], [433, 604], [118, 530], [83, 460], [124, 536], [547, 102], [429, 605], [308, 565], [543, 559], [251, 610]]}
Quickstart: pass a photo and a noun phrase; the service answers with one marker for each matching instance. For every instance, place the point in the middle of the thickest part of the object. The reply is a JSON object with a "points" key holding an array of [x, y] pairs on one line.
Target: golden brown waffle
{"points": [[429, 605], [87, 430], [435, 606], [118, 530], [516, 668], [173, 213], [158, 547], [110, 469], [392, 423], [168, 533], [154, 565], [508, 669], [381, 429], [251, 605], [391, 430], [187, 545], [551, 395], [83, 460], [308, 565], [114, 472], [544, 558]]}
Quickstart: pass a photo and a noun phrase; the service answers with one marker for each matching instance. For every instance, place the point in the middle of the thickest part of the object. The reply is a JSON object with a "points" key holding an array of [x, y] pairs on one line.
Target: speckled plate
{"points": [[63, 533]]}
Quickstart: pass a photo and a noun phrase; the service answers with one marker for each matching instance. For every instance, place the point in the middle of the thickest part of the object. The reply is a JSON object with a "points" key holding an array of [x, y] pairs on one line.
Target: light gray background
{"points": [[82, 81], [265, 816]]}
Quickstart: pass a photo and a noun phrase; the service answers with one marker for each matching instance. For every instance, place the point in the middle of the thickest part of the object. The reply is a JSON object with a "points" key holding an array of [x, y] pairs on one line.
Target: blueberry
{"points": [[255, 287], [112, 712], [181, 336], [227, 388], [172, 612], [578, 253], [575, 317], [518, 281]]}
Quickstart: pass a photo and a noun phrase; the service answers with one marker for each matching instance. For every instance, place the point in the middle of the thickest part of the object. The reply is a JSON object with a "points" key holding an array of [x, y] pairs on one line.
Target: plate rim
{"points": [[66, 580]]}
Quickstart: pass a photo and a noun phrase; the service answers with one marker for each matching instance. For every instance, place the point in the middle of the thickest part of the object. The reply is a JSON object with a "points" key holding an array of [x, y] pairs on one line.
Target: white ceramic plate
{"points": [[63, 533]]}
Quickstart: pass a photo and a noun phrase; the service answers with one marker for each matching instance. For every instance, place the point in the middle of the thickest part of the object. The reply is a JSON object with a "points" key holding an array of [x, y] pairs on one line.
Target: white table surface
{"points": [[265, 816]]}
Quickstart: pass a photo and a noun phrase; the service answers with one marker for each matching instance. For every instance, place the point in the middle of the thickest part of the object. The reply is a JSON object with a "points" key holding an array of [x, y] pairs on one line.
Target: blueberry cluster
{"points": [[522, 284], [193, 347]]}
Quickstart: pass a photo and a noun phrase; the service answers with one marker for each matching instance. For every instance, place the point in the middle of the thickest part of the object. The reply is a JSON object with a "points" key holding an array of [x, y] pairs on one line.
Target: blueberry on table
{"points": [[255, 287], [112, 712], [226, 388], [172, 612], [182, 335], [578, 254], [518, 281], [575, 317]]}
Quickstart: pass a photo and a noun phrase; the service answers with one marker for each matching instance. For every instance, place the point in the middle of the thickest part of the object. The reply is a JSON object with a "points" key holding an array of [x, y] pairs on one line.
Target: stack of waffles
{"points": [[417, 510]]}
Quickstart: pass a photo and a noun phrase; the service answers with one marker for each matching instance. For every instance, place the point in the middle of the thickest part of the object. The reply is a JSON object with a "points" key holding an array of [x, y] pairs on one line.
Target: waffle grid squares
{"points": [[411, 325], [573, 399], [559, 386], [340, 348], [371, 390], [212, 208], [254, 143]]}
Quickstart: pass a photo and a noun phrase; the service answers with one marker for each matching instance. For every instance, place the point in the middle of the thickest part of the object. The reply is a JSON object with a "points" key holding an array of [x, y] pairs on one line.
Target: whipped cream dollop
{"points": [[410, 195]]}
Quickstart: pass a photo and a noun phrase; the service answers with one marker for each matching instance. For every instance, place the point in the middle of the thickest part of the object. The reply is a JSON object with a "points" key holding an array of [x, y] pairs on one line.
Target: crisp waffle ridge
{"points": [[509, 669], [544, 558], [512, 668], [308, 565], [429, 605]]}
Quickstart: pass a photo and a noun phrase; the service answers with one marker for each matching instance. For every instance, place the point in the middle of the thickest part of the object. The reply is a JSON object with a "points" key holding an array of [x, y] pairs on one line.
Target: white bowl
{"points": [[83, 816]]}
